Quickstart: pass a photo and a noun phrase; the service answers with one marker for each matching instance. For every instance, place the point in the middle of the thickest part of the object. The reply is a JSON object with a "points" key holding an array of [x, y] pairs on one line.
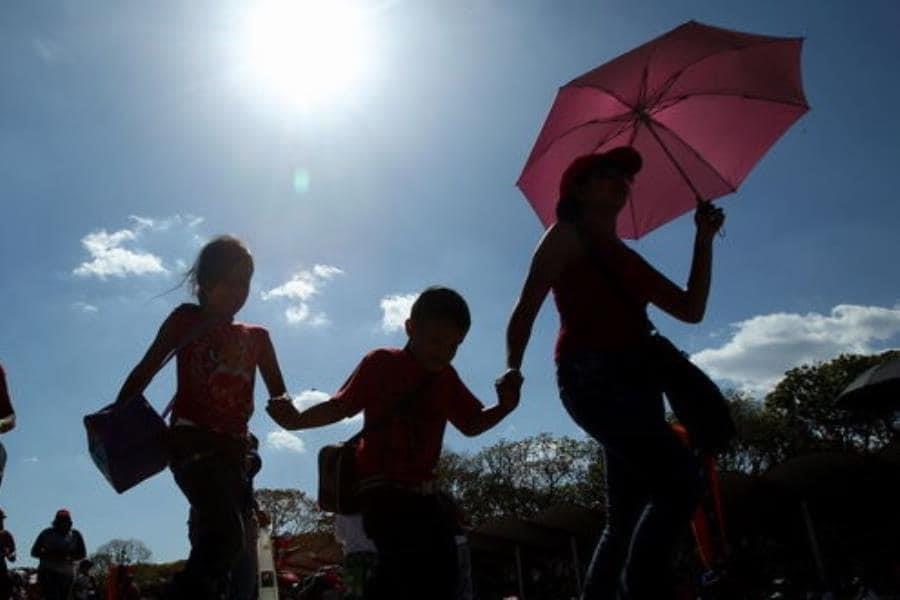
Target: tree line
{"points": [[522, 477]]}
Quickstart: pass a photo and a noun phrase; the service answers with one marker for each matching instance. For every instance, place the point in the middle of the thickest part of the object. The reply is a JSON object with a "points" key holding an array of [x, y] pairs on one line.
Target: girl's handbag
{"points": [[338, 478], [128, 441]]}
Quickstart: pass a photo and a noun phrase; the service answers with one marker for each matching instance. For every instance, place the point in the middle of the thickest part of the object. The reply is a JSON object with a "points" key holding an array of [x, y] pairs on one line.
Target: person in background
{"points": [[7, 553], [58, 548], [360, 555], [85, 586]]}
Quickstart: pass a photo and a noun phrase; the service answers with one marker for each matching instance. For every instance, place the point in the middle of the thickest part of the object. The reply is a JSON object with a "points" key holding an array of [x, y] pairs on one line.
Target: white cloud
{"points": [[764, 347], [299, 289], [356, 419], [307, 398], [319, 320], [187, 221], [285, 440], [395, 311], [326, 271], [109, 258], [84, 307], [300, 313], [109, 255], [297, 314], [31, 459]]}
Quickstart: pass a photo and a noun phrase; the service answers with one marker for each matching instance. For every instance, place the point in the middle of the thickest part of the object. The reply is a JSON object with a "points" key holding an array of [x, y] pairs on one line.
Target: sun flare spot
{"points": [[306, 52]]}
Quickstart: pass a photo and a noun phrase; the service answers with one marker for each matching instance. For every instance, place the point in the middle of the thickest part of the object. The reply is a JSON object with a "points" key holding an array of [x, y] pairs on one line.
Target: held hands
{"points": [[282, 410], [509, 388], [709, 219]]}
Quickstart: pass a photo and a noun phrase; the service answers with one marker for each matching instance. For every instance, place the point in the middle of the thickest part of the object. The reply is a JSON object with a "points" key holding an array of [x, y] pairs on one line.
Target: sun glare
{"points": [[306, 52]]}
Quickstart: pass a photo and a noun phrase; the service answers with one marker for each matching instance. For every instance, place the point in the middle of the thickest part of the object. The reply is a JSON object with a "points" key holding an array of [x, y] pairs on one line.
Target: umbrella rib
{"points": [[620, 117], [604, 90], [611, 136], [624, 117], [674, 76], [650, 122], [736, 94]]}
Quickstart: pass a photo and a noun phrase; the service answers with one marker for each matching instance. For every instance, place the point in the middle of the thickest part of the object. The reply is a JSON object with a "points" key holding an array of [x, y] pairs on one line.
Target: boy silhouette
{"points": [[411, 393]]}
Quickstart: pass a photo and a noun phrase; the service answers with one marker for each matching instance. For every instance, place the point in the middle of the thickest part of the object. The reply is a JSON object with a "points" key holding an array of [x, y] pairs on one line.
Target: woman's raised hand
{"points": [[709, 219]]}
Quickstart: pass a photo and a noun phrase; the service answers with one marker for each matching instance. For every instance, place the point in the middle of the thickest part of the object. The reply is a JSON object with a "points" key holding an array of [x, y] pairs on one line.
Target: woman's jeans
{"points": [[652, 480]]}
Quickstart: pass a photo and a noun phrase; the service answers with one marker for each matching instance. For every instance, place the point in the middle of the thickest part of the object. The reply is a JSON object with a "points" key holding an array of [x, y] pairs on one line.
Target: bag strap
{"points": [[614, 281], [195, 332], [400, 407]]}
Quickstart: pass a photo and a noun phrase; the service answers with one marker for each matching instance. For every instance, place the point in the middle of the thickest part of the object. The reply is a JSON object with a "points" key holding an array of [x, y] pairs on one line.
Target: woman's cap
{"points": [[620, 161]]}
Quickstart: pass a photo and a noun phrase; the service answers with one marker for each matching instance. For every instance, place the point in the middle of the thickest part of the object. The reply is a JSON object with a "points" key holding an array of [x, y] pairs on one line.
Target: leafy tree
{"points": [[292, 512], [763, 437], [805, 399], [521, 478], [119, 552]]}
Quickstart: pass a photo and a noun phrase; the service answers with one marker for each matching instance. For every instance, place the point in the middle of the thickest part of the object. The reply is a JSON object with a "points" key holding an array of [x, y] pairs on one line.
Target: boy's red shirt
{"points": [[406, 449]]}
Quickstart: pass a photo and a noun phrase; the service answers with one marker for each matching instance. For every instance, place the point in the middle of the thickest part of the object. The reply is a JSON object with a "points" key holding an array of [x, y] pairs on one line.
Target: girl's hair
{"points": [[215, 262]]}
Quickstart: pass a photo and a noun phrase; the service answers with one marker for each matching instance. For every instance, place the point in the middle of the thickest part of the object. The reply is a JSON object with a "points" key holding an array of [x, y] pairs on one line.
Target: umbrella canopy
{"points": [[876, 390], [701, 104]]}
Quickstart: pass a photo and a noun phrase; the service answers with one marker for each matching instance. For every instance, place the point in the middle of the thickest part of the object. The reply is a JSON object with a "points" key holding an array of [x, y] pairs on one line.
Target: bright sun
{"points": [[306, 52]]}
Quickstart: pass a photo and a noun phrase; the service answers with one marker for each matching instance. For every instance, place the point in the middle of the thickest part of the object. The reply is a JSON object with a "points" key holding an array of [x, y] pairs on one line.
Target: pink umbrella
{"points": [[701, 104]]}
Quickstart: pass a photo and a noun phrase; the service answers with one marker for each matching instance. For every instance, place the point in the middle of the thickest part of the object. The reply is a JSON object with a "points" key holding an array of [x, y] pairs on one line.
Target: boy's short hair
{"points": [[439, 302]]}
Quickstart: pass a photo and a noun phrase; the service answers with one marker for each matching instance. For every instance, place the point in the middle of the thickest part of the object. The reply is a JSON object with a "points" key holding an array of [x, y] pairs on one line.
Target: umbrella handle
{"points": [[648, 122]]}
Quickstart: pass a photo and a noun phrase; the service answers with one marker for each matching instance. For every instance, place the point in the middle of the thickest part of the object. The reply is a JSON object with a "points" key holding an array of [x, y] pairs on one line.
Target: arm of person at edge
{"points": [[8, 419], [142, 374], [8, 423], [561, 244]]}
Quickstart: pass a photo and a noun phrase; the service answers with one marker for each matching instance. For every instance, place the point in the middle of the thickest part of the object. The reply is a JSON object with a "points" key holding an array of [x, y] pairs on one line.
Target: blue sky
{"points": [[131, 133]]}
